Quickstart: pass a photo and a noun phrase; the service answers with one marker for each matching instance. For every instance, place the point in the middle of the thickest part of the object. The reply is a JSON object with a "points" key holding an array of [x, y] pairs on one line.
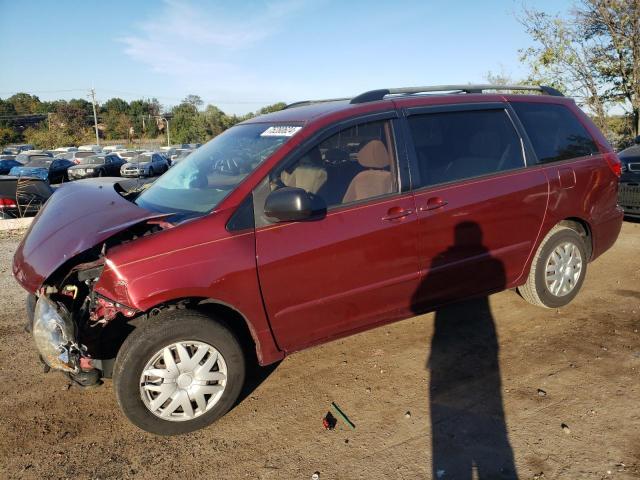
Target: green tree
{"points": [[8, 135], [115, 105], [24, 103], [272, 108], [194, 100], [592, 53], [187, 125], [7, 111], [143, 114], [116, 125]]}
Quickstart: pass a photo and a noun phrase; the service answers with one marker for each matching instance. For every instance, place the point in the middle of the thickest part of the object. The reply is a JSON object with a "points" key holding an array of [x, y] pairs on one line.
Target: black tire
{"points": [[101, 173], [151, 172], [149, 338], [535, 290]]}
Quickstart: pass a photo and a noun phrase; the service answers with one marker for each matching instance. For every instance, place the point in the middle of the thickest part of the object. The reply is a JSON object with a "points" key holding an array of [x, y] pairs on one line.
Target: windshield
{"points": [[199, 182], [141, 159], [94, 160]]}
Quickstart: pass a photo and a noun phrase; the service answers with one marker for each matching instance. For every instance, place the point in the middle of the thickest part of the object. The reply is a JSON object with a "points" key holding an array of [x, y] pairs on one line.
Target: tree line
{"points": [[25, 118]]}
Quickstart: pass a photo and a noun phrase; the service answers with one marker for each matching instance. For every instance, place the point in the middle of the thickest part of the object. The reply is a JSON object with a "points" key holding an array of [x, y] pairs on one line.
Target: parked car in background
{"points": [[128, 154], [166, 154], [7, 162], [26, 157], [99, 165], [65, 149], [53, 170], [22, 197], [629, 190], [113, 148], [76, 157], [181, 155], [16, 149], [145, 165], [90, 148]]}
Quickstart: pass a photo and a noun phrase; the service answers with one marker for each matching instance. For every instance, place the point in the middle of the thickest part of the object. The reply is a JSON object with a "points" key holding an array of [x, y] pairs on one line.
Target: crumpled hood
{"points": [[78, 216]]}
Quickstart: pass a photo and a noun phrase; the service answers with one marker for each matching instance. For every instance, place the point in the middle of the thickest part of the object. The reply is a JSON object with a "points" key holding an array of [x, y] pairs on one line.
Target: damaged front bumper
{"points": [[55, 335]]}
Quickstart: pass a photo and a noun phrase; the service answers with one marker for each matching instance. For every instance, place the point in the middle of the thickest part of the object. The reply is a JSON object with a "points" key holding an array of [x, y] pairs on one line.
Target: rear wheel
{"points": [[558, 269], [178, 372], [151, 172]]}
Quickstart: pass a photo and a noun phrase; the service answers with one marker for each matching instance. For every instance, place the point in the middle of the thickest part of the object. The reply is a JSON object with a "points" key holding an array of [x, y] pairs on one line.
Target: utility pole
{"points": [[95, 116], [168, 133]]}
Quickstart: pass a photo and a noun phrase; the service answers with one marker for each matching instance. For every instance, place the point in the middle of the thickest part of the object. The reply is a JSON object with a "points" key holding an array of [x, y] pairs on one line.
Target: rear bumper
{"points": [[629, 198], [605, 233]]}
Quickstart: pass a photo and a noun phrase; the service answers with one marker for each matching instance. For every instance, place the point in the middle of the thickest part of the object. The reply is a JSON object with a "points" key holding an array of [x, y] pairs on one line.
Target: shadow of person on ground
{"points": [[469, 434]]}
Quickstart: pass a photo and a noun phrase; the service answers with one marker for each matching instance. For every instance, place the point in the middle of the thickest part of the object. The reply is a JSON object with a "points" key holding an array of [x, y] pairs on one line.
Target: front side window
{"points": [[451, 146], [355, 164], [199, 183], [555, 132]]}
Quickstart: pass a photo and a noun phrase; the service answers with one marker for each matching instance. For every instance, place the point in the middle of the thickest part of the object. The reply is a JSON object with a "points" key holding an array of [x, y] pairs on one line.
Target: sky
{"points": [[242, 55]]}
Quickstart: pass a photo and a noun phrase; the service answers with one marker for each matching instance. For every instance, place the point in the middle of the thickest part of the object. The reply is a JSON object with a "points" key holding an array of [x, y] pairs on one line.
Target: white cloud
{"points": [[198, 44]]}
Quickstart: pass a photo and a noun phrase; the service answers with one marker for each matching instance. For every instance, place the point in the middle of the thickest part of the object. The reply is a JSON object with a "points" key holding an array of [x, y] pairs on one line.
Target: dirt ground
{"points": [[584, 358]]}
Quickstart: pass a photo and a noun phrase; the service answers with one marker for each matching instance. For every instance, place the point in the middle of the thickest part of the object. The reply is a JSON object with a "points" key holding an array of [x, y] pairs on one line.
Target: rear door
{"points": [[358, 265], [480, 210]]}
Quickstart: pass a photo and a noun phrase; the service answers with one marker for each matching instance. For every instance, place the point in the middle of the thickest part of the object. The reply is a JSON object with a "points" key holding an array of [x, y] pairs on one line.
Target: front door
{"points": [[356, 266]]}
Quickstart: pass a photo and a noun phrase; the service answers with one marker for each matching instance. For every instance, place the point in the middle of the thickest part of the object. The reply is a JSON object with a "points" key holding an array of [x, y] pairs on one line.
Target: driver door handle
{"points": [[397, 213], [433, 203]]}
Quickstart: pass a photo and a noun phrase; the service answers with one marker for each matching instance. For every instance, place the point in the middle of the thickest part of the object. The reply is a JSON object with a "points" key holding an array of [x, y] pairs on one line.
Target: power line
{"points": [[146, 96], [44, 91]]}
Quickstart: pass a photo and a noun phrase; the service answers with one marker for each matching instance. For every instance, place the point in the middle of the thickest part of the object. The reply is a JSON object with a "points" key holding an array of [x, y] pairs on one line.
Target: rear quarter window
{"points": [[554, 131]]}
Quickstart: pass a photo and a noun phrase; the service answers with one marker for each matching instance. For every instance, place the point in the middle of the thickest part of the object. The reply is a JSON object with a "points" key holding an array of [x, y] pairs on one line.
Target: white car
{"points": [[90, 148], [66, 149], [113, 148]]}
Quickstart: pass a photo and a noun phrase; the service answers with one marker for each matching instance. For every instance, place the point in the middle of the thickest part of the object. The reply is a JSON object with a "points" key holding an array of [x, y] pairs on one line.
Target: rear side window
{"points": [[454, 146], [555, 132]]}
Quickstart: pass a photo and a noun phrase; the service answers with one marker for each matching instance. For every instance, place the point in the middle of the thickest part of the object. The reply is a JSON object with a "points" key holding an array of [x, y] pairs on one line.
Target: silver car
{"points": [[145, 165]]}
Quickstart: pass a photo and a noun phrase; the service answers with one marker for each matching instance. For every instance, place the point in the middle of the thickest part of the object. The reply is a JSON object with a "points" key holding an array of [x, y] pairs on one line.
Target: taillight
{"points": [[7, 203], [76, 161], [614, 163]]}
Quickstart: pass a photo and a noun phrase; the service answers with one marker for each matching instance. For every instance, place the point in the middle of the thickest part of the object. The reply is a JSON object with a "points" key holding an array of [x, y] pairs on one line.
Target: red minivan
{"points": [[304, 225]]}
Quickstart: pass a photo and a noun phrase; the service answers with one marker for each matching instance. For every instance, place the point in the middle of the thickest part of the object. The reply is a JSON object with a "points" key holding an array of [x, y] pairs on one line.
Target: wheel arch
{"points": [[584, 230], [232, 318]]}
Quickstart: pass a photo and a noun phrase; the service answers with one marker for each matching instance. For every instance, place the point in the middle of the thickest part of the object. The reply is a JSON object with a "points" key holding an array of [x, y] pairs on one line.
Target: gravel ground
{"points": [[576, 367]]}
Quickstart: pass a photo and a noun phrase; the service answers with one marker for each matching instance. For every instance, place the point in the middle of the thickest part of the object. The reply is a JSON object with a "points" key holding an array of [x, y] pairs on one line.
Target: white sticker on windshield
{"points": [[280, 131]]}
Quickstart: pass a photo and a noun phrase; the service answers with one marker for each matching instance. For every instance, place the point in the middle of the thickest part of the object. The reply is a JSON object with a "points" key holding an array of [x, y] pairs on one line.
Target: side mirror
{"points": [[637, 140], [289, 204]]}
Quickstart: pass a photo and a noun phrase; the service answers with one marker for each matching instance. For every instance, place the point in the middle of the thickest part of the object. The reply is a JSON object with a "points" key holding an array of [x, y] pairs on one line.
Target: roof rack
{"points": [[373, 95], [312, 102]]}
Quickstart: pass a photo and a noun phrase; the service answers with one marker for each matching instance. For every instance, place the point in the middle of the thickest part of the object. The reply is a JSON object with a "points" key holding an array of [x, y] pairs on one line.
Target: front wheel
{"points": [[558, 269], [178, 372]]}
